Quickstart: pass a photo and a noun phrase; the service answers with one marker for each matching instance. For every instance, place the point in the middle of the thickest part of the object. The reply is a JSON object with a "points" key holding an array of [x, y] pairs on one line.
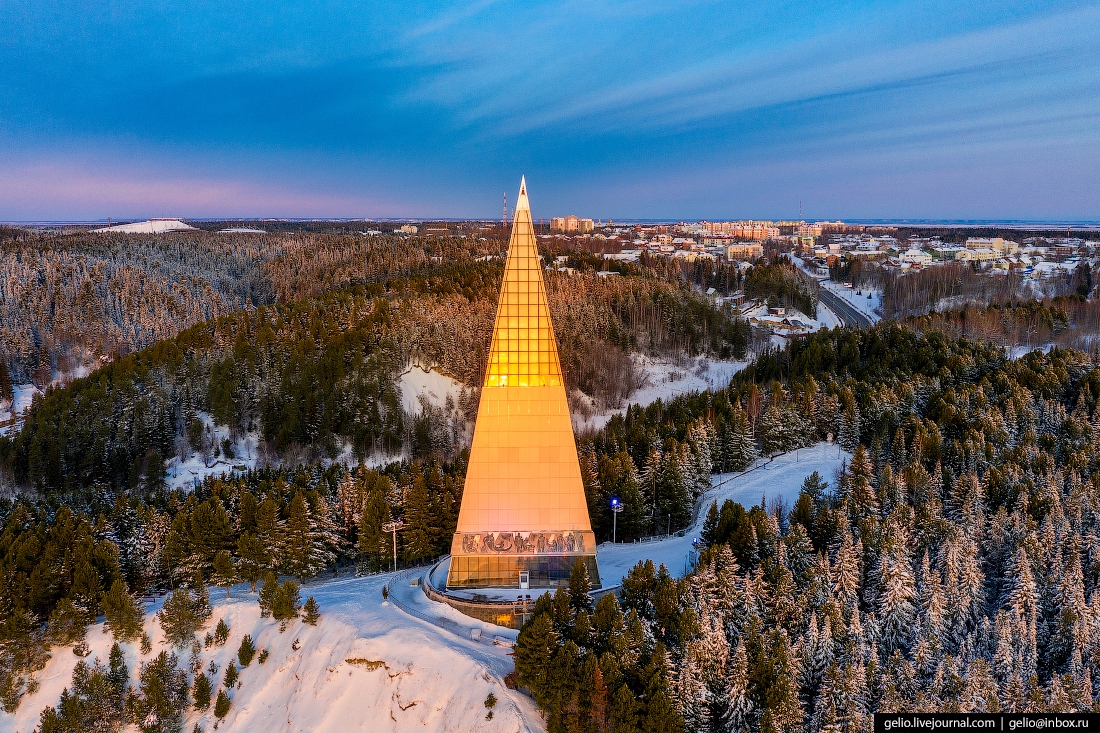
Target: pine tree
{"points": [[311, 612], [254, 558], [286, 602], [624, 711], [231, 675], [246, 651], [225, 574], [123, 617], [202, 692], [162, 696], [221, 707]]}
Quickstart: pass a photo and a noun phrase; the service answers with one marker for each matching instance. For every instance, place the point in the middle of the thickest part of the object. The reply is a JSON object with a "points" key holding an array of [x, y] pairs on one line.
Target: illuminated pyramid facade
{"points": [[523, 507]]}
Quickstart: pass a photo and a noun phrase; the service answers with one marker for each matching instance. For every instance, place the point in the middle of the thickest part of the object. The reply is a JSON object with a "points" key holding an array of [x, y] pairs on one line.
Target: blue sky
{"points": [[625, 110]]}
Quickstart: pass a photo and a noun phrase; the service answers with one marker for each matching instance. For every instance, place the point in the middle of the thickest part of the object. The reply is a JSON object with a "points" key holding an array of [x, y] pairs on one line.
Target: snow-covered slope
{"points": [[666, 380], [415, 383], [152, 226], [366, 666], [11, 413]]}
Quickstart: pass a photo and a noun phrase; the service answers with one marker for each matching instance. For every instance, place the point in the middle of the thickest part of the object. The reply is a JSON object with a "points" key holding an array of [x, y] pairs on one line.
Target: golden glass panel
{"points": [[523, 473]]}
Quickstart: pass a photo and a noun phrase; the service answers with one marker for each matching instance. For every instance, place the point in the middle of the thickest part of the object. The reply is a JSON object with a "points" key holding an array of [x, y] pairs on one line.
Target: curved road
{"points": [[844, 310]]}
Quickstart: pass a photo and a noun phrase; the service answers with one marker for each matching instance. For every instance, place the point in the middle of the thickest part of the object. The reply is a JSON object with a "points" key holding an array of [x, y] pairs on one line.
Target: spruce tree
{"points": [[7, 393], [298, 552], [374, 547], [269, 594]]}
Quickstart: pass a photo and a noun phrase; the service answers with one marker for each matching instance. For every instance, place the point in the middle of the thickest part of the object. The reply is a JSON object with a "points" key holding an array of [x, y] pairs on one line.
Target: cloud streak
{"points": [[438, 108]]}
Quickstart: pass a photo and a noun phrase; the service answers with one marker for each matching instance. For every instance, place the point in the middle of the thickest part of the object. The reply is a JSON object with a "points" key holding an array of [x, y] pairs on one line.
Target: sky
{"points": [[984, 109]]}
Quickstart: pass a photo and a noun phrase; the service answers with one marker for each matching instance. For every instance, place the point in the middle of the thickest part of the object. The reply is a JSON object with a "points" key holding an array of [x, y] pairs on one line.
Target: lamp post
{"points": [[394, 526], [616, 507]]}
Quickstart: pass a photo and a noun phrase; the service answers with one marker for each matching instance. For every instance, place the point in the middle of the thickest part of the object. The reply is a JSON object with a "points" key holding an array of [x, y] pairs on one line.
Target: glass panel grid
{"points": [[524, 351]]}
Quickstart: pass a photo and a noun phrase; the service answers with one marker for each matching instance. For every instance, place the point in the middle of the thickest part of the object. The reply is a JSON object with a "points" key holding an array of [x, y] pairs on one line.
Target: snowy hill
{"points": [[152, 226], [366, 666]]}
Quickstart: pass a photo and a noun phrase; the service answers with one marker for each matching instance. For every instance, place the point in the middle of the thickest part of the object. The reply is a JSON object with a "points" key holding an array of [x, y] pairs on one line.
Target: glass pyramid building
{"points": [[523, 505]]}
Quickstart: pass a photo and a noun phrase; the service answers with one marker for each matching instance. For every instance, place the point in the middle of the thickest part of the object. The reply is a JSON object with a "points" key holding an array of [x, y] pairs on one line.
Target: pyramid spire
{"points": [[523, 505]]}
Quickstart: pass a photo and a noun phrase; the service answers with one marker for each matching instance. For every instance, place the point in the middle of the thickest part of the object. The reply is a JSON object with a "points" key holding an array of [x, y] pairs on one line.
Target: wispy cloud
{"points": [[375, 104]]}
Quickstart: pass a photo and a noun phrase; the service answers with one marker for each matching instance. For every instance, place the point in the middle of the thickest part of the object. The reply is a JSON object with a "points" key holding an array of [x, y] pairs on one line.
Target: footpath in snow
{"points": [[771, 481]]}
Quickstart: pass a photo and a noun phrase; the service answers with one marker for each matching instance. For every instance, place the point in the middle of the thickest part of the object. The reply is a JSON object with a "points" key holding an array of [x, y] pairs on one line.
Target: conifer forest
{"points": [[952, 565]]}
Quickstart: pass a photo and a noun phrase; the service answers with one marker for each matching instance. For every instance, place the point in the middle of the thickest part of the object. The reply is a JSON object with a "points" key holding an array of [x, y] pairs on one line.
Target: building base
{"points": [[507, 571]]}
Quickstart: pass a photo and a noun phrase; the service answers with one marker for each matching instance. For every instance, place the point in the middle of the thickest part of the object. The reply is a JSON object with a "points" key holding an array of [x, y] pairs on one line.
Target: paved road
{"points": [[844, 311]]}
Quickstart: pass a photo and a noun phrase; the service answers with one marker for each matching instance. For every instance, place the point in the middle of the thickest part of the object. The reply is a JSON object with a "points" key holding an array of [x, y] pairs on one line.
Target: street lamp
{"points": [[616, 507], [394, 526]]}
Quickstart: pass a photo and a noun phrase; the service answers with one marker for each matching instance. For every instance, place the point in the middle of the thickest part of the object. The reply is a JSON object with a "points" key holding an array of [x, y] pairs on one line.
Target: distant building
{"points": [[407, 229], [571, 223], [997, 244], [744, 251], [977, 255], [758, 231], [915, 257]]}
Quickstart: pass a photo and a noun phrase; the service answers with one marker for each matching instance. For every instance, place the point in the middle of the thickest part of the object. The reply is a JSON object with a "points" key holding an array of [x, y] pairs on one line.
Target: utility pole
{"points": [[394, 526]]}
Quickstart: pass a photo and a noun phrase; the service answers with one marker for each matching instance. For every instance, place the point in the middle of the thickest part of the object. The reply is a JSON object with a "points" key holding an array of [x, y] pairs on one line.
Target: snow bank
{"points": [[434, 386], [780, 478], [13, 413], [366, 666], [152, 226]]}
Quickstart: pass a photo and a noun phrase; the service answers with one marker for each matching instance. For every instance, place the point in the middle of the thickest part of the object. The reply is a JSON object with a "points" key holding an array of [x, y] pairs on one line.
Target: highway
{"points": [[845, 312]]}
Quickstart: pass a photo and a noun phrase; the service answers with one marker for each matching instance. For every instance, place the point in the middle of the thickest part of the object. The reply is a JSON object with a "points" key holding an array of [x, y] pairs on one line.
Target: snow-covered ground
{"points": [[1016, 352], [415, 382], [194, 468], [12, 413], [370, 666], [666, 380], [366, 666], [793, 322], [868, 306], [780, 478], [241, 230]]}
